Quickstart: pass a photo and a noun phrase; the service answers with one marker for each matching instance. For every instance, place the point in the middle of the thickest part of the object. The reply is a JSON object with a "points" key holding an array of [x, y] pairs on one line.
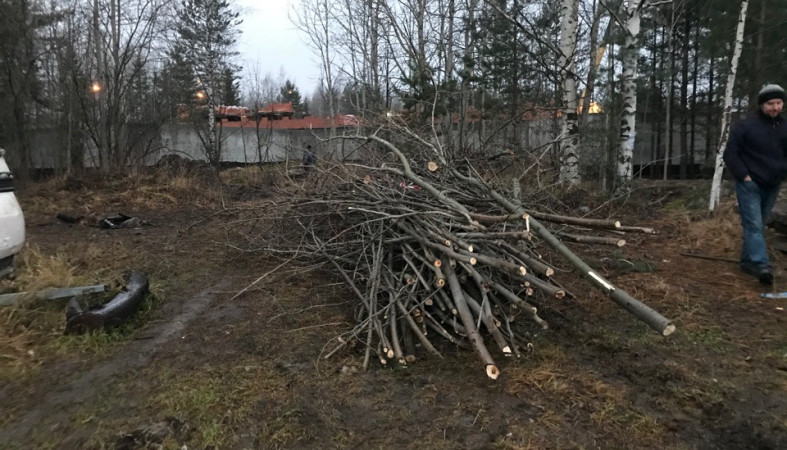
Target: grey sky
{"points": [[271, 41]]}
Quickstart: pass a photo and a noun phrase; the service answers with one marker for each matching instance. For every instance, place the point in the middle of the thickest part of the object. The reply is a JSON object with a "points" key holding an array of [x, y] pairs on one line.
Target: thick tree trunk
{"points": [[715, 192]]}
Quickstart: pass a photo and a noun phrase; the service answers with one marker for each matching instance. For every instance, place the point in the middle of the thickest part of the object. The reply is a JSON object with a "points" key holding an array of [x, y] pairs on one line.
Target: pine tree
{"points": [[178, 87], [207, 31], [290, 93], [230, 94]]}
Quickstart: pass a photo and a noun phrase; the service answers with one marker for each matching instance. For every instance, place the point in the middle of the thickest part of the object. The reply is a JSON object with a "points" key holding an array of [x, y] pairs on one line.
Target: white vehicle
{"points": [[12, 222]]}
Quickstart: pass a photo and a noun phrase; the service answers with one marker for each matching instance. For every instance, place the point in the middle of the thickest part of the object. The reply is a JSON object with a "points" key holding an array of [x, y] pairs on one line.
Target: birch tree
{"points": [[629, 91], [569, 134], [124, 37], [715, 192], [363, 53]]}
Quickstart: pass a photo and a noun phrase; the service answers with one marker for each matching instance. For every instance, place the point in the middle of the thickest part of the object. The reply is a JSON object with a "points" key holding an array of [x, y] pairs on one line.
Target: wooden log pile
{"points": [[431, 251]]}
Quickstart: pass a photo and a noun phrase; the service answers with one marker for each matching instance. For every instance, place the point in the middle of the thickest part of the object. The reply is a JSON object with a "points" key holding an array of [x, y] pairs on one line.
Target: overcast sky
{"points": [[271, 41]]}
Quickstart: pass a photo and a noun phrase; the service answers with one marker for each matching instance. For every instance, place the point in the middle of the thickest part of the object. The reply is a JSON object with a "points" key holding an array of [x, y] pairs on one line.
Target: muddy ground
{"points": [[203, 367]]}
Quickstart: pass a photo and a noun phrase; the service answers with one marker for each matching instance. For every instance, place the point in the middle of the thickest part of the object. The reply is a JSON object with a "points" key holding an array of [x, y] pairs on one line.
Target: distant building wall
{"points": [[239, 145], [248, 144], [49, 148]]}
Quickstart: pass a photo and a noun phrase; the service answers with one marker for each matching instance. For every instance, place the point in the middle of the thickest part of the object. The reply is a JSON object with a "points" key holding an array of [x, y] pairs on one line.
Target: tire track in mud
{"points": [[59, 403]]}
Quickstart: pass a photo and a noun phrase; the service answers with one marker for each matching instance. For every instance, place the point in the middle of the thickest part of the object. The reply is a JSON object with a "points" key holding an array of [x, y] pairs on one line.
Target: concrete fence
{"points": [[248, 144]]}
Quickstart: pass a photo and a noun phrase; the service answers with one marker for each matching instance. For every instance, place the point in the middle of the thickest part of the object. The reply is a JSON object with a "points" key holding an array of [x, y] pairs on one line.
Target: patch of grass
{"points": [[778, 353], [694, 195], [720, 230], [254, 175], [287, 428], [217, 401], [32, 330], [141, 189], [711, 338], [704, 397], [619, 262], [566, 393]]}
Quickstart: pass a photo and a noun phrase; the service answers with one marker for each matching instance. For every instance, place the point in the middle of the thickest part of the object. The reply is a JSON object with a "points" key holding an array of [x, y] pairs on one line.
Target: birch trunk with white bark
{"points": [[715, 191], [569, 133], [628, 119]]}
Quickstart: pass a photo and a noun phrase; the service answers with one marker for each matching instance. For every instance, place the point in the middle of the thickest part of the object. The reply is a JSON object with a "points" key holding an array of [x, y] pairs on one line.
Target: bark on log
{"points": [[581, 221], [397, 248], [467, 320], [592, 239], [622, 298]]}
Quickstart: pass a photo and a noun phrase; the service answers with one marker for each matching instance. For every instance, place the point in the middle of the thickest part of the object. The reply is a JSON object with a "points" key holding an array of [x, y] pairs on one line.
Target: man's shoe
{"points": [[752, 270], [766, 277]]}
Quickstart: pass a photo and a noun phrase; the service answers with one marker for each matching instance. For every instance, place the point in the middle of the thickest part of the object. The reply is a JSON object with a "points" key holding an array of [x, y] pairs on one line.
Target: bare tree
{"points": [[315, 20], [125, 39], [260, 90]]}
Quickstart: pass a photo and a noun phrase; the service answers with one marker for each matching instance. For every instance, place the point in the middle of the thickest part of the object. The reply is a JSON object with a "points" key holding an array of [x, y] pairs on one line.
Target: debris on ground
{"points": [[51, 294], [454, 258], [118, 220], [112, 314]]}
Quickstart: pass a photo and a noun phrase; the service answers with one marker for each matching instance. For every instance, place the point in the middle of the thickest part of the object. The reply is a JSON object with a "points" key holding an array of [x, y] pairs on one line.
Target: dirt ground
{"points": [[206, 366]]}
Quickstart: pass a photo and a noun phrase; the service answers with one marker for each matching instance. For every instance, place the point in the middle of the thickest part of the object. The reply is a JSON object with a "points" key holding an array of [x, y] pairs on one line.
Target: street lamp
{"points": [[96, 89]]}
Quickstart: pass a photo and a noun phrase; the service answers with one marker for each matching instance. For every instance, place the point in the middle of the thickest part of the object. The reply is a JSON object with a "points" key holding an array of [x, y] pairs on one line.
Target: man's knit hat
{"points": [[770, 92]]}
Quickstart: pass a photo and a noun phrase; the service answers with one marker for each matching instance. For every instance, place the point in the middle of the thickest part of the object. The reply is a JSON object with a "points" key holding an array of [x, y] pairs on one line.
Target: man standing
{"points": [[309, 159], [756, 155]]}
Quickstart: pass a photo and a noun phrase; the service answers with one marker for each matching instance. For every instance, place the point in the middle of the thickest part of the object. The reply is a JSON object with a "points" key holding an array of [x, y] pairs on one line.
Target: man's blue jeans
{"points": [[754, 205]]}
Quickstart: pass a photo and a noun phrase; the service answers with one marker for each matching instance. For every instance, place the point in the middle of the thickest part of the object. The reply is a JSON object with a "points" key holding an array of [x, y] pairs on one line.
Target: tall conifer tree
{"points": [[207, 31]]}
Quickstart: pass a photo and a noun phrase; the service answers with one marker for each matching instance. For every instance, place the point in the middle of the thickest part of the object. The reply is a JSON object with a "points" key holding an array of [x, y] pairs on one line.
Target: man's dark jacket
{"points": [[758, 147]]}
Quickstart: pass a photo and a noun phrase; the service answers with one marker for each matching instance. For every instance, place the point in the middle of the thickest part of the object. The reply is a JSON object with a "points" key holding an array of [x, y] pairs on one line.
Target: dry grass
{"points": [[720, 230], [613, 381], [569, 397], [32, 330], [715, 234], [148, 190], [217, 401], [254, 175]]}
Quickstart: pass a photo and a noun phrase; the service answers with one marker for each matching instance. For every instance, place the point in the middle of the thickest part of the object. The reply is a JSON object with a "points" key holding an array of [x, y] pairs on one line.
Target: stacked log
{"points": [[431, 250]]}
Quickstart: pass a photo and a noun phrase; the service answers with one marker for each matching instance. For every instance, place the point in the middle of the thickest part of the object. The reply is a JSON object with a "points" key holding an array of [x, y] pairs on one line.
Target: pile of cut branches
{"points": [[431, 250]]}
